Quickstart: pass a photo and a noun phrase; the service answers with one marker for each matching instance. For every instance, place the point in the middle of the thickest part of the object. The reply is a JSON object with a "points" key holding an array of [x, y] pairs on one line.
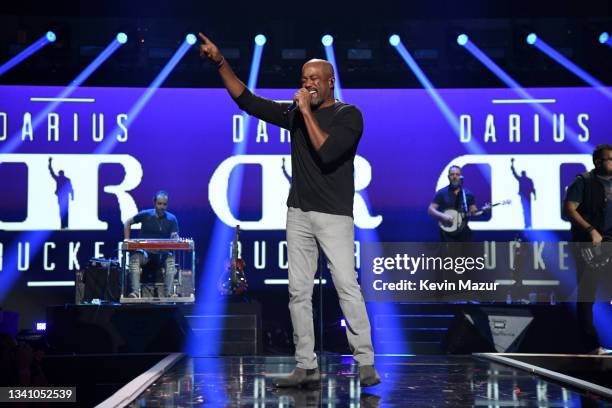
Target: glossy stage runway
{"points": [[408, 381]]}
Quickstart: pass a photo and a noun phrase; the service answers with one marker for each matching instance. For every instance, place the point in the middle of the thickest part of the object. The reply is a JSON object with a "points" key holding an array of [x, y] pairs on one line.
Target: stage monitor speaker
{"points": [[508, 327], [477, 329]]}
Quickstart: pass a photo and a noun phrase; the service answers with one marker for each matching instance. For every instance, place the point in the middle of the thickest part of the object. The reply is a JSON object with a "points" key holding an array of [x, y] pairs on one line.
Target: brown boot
{"points": [[299, 377], [368, 376]]}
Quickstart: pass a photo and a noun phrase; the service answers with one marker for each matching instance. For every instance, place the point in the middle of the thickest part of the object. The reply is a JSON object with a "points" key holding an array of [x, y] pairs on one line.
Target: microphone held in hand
{"points": [[294, 105], [291, 108]]}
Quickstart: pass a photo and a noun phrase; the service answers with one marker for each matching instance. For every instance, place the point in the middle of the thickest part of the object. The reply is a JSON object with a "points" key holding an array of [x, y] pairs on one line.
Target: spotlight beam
{"points": [[29, 51], [16, 141], [447, 112], [328, 42], [36, 238], [522, 92], [109, 144], [572, 67], [218, 250], [362, 235]]}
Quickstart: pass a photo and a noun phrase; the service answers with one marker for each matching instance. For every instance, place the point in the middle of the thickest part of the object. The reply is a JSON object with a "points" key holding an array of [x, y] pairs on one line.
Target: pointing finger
{"points": [[204, 39]]}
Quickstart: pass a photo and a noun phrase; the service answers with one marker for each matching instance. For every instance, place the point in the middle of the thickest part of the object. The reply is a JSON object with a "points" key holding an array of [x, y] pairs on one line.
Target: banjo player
{"points": [[450, 205]]}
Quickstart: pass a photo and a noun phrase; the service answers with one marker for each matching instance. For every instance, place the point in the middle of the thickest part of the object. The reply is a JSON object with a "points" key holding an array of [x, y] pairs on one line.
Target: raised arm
{"points": [[262, 108], [514, 173], [209, 50], [51, 169]]}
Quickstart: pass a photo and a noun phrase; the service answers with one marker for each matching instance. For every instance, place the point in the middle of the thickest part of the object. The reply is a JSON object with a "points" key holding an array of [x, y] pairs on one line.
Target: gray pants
{"points": [[335, 235], [140, 258]]}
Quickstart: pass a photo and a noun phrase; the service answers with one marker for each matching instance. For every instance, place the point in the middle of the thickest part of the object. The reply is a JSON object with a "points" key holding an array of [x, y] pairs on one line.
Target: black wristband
{"points": [[591, 228]]}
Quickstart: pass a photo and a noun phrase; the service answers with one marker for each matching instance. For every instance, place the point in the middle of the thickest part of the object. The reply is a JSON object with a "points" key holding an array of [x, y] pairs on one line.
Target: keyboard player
{"points": [[156, 223]]}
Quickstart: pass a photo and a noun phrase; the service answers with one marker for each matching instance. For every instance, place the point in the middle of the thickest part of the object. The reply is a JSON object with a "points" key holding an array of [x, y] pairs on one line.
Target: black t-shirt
{"points": [[154, 227], [321, 180], [575, 193], [446, 198]]}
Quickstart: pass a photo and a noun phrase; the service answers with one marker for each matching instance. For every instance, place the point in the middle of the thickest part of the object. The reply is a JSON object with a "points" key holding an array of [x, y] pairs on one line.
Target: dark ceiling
{"points": [[428, 29]]}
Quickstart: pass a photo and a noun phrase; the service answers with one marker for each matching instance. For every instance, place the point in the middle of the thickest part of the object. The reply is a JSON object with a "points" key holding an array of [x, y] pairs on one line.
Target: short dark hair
{"points": [[599, 151], [160, 193], [454, 166]]}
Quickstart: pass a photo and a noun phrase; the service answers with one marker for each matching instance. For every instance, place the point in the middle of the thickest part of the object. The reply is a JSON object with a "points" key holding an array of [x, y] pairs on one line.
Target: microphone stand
{"points": [[465, 206]]}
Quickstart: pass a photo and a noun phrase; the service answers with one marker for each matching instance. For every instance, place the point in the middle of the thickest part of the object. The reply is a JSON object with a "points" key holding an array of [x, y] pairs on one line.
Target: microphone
{"points": [[294, 105]]}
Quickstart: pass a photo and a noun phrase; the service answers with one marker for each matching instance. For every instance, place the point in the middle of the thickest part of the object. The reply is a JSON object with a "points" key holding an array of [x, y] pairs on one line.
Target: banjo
{"points": [[460, 218]]}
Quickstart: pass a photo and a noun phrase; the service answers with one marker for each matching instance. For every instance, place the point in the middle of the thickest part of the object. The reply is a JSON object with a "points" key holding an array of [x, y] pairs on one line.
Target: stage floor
{"points": [[419, 381]]}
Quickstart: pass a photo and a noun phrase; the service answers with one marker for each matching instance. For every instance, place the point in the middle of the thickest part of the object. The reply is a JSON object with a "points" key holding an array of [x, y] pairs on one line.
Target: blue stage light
{"points": [[26, 53], [108, 145], [604, 37], [41, 116], [394, 40], [572, 67], [447, 112], [260, 39], [191, 39], [122, 38], [327, 40], [214, 306], [532, 38], [462, 39], [525, 94]]}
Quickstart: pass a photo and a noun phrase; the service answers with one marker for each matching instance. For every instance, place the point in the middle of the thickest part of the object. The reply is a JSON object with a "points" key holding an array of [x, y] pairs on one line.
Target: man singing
{"points": [[324, 138], [156, 223]]}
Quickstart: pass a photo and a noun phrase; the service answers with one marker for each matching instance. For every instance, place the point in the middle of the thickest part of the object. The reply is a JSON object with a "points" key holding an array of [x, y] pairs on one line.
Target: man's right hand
{"points": [[209, 50], [596, 237]]}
